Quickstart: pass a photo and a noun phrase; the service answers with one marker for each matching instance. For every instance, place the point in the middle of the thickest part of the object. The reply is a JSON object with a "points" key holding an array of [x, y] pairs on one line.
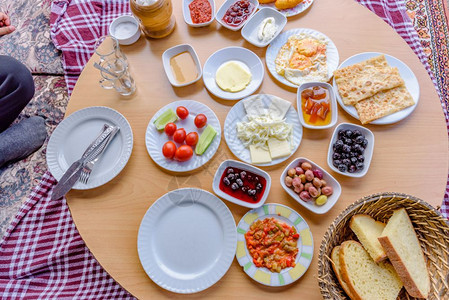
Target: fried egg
{"points": [[303, 59]]}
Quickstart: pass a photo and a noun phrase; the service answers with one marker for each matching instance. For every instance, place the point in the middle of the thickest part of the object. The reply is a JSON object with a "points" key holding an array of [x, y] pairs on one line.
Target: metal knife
{"points": [[73, 173]]}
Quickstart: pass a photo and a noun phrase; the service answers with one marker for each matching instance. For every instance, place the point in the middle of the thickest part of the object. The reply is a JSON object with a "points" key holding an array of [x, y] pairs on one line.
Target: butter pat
{"points": [[259, 155], [233, 76], [278, 148]]}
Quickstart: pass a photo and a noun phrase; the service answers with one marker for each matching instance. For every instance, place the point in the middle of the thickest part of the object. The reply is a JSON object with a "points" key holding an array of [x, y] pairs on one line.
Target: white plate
{"points": [[187, 240], [155, 139], [291, 11], [75, 133], [411, 82], [305, 245], [251, 28], [188, 17], [233, 53], [238, 114], [332, 55]]}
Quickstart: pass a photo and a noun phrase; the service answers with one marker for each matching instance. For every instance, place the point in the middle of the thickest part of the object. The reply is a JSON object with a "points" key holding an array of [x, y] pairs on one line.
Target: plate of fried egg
{"points": [[302, 55], [287, 7]]}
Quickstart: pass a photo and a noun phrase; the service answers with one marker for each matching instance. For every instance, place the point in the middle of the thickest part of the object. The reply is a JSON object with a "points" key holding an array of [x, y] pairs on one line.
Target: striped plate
{"points": [[305, 244]]}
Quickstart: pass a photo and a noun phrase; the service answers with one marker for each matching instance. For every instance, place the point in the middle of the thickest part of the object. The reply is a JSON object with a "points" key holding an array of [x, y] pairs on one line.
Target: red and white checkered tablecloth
{"points": [[42, 255]]}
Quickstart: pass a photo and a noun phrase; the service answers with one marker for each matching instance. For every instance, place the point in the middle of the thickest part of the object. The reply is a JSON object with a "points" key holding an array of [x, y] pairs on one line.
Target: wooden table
{"points": [[410, 156]]}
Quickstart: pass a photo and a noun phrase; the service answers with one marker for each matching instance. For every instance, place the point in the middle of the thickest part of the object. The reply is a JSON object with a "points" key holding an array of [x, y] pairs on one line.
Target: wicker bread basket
{"points": [[431, 227]]}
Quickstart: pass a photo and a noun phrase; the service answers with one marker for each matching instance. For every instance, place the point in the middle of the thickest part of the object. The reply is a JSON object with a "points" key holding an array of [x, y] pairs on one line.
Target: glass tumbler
{"points": [[115, 75], [108, 47]]}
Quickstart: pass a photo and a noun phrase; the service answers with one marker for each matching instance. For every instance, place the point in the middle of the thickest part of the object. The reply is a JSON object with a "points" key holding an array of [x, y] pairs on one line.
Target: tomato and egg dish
{"points": [[272, 244], [200, 11]]}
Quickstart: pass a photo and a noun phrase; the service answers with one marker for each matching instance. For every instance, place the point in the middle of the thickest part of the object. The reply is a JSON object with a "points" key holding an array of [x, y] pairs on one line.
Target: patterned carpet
{"points": [[31, 44]]}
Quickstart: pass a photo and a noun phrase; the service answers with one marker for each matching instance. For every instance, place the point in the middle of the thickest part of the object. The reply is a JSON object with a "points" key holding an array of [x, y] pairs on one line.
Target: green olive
{"points": [[321, 200]]}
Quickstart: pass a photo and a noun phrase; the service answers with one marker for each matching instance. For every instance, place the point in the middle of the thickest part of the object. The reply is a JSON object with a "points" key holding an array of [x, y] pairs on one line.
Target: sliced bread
{"points": [[368, 230], [365, 278], [335, 256], [404, 251]]}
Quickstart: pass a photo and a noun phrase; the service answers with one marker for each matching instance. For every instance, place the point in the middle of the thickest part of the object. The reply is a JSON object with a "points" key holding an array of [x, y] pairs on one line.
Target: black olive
{"points": [[346, 148], [356, 133], [231, 170], [226, 181], [348, 141], [353, 160], [342, 168], [348, 133], [341, 133], [346, 162], [352, 154], [360, 166], [361, 158], [359, 139], [336, 155], [336, 163], [338, 145], [365, 143], [235, 186], [352, 169]]}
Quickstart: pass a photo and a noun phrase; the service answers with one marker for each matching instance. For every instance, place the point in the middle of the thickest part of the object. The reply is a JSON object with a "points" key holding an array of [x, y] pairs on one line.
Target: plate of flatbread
{"points": [[376, 88]]}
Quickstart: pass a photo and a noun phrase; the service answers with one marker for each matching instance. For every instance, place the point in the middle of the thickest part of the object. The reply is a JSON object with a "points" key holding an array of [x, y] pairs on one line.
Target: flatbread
{"points": [[383, 104], [365, 79]]}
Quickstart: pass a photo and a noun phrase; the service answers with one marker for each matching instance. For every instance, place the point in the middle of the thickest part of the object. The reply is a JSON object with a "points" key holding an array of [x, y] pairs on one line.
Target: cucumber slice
{"points": [[205, 140], [167, 116]]}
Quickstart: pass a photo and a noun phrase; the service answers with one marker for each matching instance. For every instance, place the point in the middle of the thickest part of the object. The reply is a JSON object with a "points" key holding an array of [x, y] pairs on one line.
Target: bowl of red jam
{"points": [[198, 13], [233, 14], [317, 105], [242, 184]]}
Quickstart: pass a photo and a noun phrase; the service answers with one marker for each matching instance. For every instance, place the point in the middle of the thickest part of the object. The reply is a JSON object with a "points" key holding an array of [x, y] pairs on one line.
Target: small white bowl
{"points": [[188, 18], [246, 167], [368, 151], [331, 181], [251, 28], [125, 29], [224, 8], [243, 55], [169, 53], [334, 107]]}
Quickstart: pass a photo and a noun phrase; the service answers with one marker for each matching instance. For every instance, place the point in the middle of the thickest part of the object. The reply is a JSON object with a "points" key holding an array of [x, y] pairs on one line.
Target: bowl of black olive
{"points": [[350, 150]]}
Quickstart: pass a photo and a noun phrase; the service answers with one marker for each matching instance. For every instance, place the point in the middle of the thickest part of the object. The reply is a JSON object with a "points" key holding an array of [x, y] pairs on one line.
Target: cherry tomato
{"points": [[180, 135], [192, 139], [169, 149], [170, 129], [184, 153], [200, 120], [182, 112]]}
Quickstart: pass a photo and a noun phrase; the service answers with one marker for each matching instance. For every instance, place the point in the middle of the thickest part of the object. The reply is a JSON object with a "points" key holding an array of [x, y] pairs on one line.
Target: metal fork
{"points": [[95, 156]]}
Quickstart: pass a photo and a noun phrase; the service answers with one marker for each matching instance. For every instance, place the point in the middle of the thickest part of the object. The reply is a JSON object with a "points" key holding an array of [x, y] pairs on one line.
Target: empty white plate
{"points": [[245, 56], [187, 240]]}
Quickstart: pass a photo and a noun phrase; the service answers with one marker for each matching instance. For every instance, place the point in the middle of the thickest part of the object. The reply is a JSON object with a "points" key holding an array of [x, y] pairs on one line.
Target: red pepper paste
{"points": [[200, 11]]}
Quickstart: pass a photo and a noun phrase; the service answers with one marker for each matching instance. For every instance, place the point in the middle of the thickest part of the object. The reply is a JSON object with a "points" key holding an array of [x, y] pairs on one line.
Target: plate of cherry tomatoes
{"points": [[173, 146]]}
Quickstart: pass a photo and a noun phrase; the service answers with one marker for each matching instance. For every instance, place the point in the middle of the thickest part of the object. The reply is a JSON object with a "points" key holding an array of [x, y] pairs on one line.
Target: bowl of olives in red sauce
{"points": [[242, 184]]}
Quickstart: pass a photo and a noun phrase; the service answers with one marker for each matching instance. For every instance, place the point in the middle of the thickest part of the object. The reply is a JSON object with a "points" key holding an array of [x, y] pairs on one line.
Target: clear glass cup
{"points": [[107, 46], [156, 17], [115, 75]]}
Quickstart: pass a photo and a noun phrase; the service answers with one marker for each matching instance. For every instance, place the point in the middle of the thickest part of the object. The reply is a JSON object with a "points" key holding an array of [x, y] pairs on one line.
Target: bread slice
{"points": [[404, 251], [368, 230], [366, 279], [335, 256]]}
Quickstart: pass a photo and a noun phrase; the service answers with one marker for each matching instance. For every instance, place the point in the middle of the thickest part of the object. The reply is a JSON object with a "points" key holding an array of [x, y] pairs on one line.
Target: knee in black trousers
{"points": [[16, 89]]}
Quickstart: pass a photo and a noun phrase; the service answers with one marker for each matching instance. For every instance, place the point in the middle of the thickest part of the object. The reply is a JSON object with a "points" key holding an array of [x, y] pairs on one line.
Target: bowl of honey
{"points": [[181, 64], [317, 105]]}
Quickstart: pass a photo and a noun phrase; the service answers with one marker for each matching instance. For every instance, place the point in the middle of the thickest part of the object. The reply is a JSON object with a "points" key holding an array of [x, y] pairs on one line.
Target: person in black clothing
{"points": [[16, 90]]}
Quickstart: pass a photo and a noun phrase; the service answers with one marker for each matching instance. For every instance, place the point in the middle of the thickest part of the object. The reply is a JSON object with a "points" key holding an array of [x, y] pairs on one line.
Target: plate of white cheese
{"points": [[263, 130]]}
